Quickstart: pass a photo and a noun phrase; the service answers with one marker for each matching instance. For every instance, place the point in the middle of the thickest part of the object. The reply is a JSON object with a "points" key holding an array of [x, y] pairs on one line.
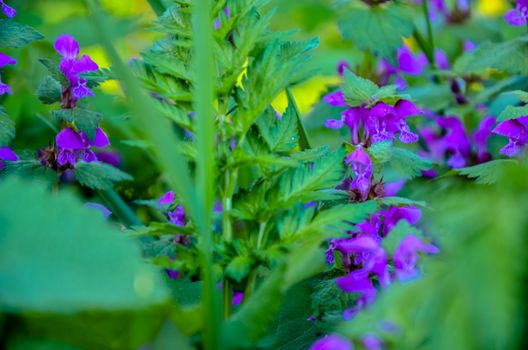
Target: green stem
{"points": [[119, 207], [203, 65], [262, 232], [430, 37], [227, 296]]}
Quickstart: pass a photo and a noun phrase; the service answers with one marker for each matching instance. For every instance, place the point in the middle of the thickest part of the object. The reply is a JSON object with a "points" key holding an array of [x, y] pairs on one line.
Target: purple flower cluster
{"points": [[72, 67], [452, 141], [74, 145], [518, 16], [377, 123], [7, 154], [363, 256], [335, 342]]}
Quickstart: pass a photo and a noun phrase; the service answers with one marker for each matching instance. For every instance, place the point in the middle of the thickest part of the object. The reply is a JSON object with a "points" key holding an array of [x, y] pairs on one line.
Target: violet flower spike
{"points": [[8, 10], [71, 67], [481, 136], [167, 198], [518, 17], [177, 216]]}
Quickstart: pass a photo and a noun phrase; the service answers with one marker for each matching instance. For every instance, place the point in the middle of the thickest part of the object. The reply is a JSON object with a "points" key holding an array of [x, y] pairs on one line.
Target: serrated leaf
{"points": [[239, 267], [49, 90], [7, 128], [397, 234], [512, 112], [400, 201], [509, 56], [97, 175], [305, 181], [407, 163], [280, 135], [84, 119], [15, 35], [339, 218], [31, 169], [487, 173], [53, 68], [358, 90], [41, 258], [379, 29]]}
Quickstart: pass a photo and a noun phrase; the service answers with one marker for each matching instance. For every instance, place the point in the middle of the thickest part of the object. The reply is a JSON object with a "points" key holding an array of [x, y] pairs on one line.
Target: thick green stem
{"points": [[119, 208]]}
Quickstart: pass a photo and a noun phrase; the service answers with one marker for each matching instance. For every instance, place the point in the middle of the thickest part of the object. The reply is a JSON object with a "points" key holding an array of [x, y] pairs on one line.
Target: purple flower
{"points": [[7, 154], [481, 136], [360, 283], [218, 23], [177, 216], [455, 142], [394, 214], [7, 10], [5, 60], [332, 342], [516, 130], [238, 297], [371, 342], [167, 198], [341, 66], [172, 274], [441, 59], [391, 189], [361, 164], [409, 63], [74, 144], [106, 212], [71, 67], [336, 99], [518, 17], [406, 256]]}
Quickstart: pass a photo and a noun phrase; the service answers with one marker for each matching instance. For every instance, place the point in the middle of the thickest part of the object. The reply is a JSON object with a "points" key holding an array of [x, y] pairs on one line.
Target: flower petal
{"points": [[7, 154], [69, 139], [67, 46], [5, 60]]}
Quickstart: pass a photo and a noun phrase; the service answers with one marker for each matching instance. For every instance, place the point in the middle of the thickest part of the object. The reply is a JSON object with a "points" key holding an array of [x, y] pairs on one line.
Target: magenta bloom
{"points": [[342, 66], [332, 342], [238, 297], [218, 23], [371, 342], [72, 67], [74, 144], [361, 164], [5, 60], [410, 63], [516, 130], [177, 216], [7, 154], [336, 99], [7, 10], [167, 198], [394, 214], [518, 17], [406, 256]]}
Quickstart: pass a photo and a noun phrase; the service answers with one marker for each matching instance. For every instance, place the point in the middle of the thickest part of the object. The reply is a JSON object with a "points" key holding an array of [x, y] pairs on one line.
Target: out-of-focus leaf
{"points": [[97, 175], [487, 173], [239, 267], [42, 259], [14, 34], [49, 90], [7, 128]]}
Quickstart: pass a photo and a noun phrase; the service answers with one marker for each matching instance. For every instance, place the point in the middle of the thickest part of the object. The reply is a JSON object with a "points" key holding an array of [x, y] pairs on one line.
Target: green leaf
{"points": [[397, 234], [339, 218], [97, 175], [84, 119], [53, 68], [305, 182], [30, 169], [252, 320], [239, 267], [400, 202], [54, 262], [487, 173], [357, 90], [7, 128], [379, 29], [15, 35], [509, 56], [512, 112], [521, 95], [280, 135], [49, 90]]}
